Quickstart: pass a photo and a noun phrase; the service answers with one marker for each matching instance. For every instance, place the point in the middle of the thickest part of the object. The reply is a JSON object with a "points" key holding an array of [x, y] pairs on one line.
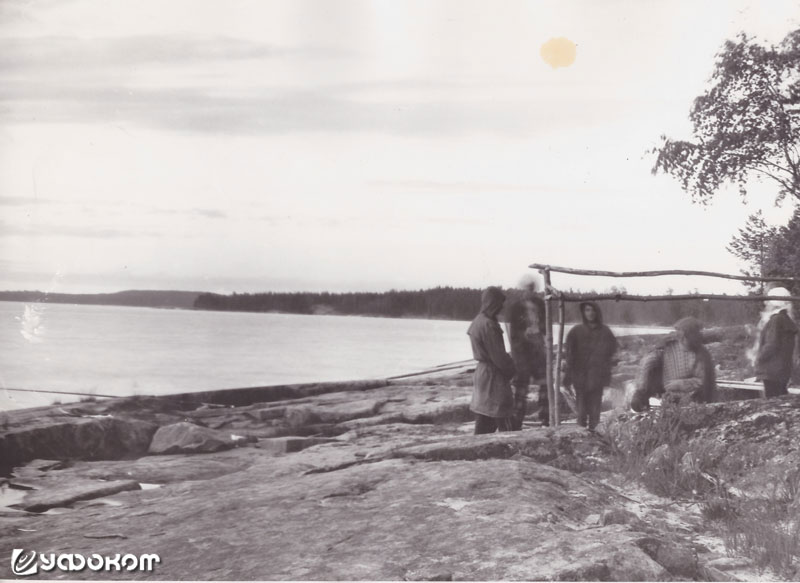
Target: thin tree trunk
{"points": [[548, 319], [561, 312]]}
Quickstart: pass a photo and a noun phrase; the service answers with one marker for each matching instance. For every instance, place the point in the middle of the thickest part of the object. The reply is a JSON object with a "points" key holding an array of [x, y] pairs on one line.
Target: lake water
{"points": [[112, 350]]}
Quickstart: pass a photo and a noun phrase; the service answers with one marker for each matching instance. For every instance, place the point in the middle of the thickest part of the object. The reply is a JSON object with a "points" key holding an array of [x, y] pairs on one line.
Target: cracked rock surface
{"points": [[384, 483]]}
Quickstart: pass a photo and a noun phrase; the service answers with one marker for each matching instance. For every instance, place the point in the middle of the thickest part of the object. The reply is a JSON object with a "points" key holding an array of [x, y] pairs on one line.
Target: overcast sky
{"points": [[355, 145]]}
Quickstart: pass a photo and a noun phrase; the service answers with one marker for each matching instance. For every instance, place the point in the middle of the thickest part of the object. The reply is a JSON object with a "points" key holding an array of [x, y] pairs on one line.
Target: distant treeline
{"points": [[450, 303], [446, 303], [134, 298], [667, 312]]}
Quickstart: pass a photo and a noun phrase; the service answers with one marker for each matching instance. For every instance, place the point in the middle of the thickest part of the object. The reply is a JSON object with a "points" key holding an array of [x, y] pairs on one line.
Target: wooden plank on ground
{"points": [[749, 386]]}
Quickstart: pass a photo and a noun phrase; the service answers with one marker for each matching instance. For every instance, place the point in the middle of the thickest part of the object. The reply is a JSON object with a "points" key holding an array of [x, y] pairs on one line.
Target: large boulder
{"points": [[85, 437], [186, 437]]}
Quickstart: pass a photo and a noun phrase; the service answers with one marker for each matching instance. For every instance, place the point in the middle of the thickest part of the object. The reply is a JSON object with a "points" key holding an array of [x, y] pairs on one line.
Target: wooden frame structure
{"points": [[551, 293]]}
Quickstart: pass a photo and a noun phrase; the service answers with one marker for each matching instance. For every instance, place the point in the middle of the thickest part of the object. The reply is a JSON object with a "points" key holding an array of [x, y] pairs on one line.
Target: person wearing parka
{"points": [[680, 369], [590, 348], [776, 349], [492, 399]]}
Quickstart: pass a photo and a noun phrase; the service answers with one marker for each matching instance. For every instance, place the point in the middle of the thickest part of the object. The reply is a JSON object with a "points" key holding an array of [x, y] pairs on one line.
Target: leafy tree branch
{"points": [[745, 126]]}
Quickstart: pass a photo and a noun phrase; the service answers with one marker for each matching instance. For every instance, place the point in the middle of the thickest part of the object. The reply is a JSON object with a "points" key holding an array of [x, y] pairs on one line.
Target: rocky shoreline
{"points": [[378, 480]]}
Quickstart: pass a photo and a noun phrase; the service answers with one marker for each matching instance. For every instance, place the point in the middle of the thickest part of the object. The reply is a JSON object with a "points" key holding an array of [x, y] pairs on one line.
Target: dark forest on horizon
{"points": [[448, 303], [441, 303]]}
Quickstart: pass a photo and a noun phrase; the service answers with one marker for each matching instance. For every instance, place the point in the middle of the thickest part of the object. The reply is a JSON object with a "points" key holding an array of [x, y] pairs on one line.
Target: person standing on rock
{"points": [[526, 335], [776, 347], [681, 369], [492, 399], [590, 348]]}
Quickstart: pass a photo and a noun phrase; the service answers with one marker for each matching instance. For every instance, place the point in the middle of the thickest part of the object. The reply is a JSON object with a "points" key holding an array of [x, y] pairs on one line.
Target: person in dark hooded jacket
{"points": [[492, 399], [590, 348]]}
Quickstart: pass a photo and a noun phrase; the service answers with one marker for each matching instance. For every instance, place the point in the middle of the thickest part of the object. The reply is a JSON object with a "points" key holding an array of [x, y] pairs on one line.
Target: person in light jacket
{"points": [[492, 398], [680, 369], [776, 347]]}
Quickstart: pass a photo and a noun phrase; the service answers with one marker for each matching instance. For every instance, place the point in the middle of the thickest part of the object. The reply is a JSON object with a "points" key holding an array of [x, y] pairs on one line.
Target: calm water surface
{"points": [[112, 350]]}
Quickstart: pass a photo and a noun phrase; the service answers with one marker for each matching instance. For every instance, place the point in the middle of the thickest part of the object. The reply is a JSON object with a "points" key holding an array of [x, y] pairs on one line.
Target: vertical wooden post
{"points": [[548, 346], [561, 311]]}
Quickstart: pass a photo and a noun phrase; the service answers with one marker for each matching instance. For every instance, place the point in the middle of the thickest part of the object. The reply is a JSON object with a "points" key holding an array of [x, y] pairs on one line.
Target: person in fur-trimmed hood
{"points": [[776, 348], [590, 349]]}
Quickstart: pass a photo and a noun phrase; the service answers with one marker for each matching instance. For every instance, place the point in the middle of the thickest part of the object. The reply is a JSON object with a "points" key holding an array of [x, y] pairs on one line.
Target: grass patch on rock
{"points": [[745, 494]]}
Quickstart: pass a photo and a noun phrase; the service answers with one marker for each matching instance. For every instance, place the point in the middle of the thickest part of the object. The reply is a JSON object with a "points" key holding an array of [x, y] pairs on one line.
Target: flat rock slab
{"points": [[329, 513], [66, 493], [335, 413], [279, 445], [42, 465], [571, 448], [161, 469]]}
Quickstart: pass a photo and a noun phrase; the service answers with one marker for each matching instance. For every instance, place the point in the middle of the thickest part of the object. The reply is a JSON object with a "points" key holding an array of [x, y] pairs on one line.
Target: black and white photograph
{"points": [[400, 290]]}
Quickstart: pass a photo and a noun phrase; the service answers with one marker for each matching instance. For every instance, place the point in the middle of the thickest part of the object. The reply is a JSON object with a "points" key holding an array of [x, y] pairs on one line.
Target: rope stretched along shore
{"points": [[62, 393]]}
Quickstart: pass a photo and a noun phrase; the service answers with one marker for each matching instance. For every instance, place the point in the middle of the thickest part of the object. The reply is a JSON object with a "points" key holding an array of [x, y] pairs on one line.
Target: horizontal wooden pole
{"points": [[581, 297], [572, 271]]}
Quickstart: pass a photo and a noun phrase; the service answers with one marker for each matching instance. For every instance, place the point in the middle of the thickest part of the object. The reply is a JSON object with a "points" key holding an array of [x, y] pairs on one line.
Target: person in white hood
{"points": [[776, 346]]}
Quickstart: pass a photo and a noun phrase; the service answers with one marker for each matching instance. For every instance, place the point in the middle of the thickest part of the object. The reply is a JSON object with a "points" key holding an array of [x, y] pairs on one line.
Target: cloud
{"points": [[279, 111], [9, 230], [432, 187], [441, 187], [210, 213], [272, 219], [22, 200], [206, 213], [454, 221], [19, 11], [52, 54], [195, 84]]}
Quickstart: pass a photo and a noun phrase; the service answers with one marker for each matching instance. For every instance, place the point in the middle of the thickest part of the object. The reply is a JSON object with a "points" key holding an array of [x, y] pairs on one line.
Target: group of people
{"points": [[680, 369]]}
